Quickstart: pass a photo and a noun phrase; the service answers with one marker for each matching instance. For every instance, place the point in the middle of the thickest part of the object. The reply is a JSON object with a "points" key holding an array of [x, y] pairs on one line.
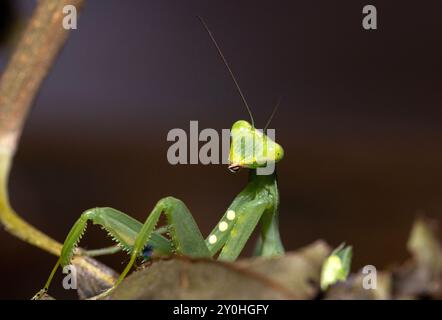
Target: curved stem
{"points": [[28, 67]]}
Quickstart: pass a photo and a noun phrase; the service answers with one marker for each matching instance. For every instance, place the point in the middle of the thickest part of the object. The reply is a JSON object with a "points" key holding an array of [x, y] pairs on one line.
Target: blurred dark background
{"points": [[359, 120]]}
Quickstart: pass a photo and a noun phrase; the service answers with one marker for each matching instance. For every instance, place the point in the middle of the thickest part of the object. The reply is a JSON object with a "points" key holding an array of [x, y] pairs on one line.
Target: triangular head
{"points": [[251, 148]]}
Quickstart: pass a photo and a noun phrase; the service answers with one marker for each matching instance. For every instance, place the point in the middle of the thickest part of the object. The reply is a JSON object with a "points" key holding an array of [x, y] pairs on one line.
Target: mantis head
{"points": [[251, 148]]}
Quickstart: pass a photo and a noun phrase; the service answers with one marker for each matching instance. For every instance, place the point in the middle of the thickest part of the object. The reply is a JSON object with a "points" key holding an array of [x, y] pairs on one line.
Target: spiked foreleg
{"points": [[221, 232], [183, 230], [247, 217], [122, 228]]}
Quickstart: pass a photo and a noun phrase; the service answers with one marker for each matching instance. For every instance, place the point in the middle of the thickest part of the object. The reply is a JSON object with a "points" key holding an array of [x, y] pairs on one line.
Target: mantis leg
{"points": [[121, 227], [269, 243], [216, 240], [114, 249], [102, 251], [184, 232], [247, 218], [257, 202]]}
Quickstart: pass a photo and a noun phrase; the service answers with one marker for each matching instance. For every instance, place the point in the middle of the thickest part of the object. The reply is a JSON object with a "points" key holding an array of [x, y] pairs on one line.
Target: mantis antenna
{"points": [[229, 69], [275, 108]]}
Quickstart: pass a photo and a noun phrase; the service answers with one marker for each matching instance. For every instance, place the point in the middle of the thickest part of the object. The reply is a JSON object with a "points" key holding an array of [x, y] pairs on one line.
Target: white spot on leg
{"points": [[212, 239], [223, 226], [231, 214]]}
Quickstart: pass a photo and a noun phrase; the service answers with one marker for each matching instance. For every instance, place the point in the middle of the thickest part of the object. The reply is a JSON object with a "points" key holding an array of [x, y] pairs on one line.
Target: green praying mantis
{"points": [[257, 203]]}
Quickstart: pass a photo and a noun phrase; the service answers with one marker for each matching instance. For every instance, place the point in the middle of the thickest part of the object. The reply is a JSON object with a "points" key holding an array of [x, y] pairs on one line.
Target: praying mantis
{"points": [[257, 203]]}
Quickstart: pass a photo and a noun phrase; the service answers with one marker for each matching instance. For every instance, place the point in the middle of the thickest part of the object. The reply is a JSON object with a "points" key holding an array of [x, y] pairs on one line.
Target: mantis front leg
{"points": [[229, 236], [185, 235], [133, 237]]}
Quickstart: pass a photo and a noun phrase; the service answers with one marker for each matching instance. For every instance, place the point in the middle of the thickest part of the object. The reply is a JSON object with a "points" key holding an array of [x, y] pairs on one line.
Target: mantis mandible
{"points": [[257, 203]]}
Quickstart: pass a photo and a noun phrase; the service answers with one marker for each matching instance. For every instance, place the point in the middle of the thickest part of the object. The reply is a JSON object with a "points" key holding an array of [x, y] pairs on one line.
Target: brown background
{"points": [[359, 121]]}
